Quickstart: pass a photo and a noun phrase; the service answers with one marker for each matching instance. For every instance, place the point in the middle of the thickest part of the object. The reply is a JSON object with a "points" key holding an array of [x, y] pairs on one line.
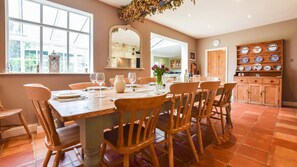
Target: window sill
{"points": [[44, 73]]}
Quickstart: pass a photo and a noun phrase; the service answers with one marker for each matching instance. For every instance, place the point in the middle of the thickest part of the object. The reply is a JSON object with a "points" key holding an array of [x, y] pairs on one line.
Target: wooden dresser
{"points": [[259, 73]]}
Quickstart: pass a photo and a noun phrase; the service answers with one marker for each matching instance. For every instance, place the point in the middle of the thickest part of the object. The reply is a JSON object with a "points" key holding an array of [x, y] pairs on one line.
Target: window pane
{"points": [[78, 22], [23, 47], [54, 17], [54, 40], [31, 11], [26, 10], [14, 8], [79, 52]]}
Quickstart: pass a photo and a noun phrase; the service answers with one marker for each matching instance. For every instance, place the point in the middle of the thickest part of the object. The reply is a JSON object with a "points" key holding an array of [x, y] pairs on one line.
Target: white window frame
{"points": [[57, 6]]}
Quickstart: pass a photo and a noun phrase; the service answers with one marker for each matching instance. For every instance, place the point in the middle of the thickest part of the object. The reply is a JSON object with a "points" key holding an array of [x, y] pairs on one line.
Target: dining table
{"points": [[94, 114]]}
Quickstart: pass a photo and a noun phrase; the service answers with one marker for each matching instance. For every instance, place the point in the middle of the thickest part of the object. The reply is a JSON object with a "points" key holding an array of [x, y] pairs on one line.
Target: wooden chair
{"points": [[83, 85], [224, 102], [5, 113], [146, 80], [58, 140], [177, 119], [204, 108], [111, 81], [139, 131]]}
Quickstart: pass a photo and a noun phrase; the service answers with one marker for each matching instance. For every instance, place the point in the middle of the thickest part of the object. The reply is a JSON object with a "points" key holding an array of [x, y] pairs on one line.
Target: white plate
{"points": [[241, 68], [68, 95], [272, 47], [132, 85], [97, 88], [257, 49], [244, 50]]}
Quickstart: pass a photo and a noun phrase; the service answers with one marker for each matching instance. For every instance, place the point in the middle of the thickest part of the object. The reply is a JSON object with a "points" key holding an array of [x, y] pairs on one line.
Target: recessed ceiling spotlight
{"points": [[249, 16], [189, 15], [208, 26]]}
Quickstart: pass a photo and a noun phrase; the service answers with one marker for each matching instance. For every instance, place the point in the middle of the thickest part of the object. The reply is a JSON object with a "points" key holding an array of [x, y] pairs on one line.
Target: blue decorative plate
{"points": [[257, 67], [248, 68], [277, 67], [244, 59], [258, 59], [274, 58], [267, 68]]}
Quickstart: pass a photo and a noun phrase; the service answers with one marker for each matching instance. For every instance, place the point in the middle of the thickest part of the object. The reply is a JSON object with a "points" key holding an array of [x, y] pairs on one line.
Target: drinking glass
{"points": [[132, 78], [93, 80], [100, 78]]}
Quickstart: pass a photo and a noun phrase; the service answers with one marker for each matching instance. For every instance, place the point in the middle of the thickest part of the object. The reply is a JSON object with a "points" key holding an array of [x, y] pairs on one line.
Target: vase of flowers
{"points": [[158, 72]]}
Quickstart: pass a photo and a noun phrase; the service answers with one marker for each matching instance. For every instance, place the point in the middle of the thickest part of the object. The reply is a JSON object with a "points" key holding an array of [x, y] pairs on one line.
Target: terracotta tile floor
{"points": [[261, 136]]}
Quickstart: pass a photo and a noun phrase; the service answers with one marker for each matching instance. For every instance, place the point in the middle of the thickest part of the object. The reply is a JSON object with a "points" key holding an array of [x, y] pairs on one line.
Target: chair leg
{"points": [[214, 130], [222, 120], [192, 146], [153, 155], [170, 150], [102, 152], [57, 159], [199, 137], [47, 157], [25, 124], [229, 115], [126, 160]]}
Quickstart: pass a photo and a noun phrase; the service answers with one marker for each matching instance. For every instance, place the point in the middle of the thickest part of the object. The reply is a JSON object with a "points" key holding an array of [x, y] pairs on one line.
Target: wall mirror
{"points": [[124, 48]]}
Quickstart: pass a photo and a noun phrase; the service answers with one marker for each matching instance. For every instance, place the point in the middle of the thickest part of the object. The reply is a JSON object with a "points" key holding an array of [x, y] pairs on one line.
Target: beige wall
{"points": [[286, 30], [105, 16]]}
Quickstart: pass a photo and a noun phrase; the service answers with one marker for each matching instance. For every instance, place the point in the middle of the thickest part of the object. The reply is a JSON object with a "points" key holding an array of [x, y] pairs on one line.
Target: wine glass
{"points": [[132, 78], [93, 80], [100, 78]]}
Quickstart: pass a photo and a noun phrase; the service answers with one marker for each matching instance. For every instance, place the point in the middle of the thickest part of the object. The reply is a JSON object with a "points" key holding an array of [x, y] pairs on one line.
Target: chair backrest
{"points": [[111, 81], [146, 80], [142, 113], [227, 92], [1, 107], [81, 85], [183, 96], [39, 95], [207, 96]]}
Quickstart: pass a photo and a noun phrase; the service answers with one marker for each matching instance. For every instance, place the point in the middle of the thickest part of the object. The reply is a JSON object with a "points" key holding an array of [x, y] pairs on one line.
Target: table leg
{"points": [[91, 137]]}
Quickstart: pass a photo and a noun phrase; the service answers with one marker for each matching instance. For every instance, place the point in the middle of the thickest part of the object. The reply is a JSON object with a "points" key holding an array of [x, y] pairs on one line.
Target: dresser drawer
{"points": [[240, 80], [270, 81], [255, 80]]}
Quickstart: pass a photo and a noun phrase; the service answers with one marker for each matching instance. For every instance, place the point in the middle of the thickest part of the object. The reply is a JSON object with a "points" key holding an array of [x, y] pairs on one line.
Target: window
{"points": [[37, 28]]}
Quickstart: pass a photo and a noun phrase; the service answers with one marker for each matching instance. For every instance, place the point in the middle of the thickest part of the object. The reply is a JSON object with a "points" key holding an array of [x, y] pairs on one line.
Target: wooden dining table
{"points": [[94, 115]]}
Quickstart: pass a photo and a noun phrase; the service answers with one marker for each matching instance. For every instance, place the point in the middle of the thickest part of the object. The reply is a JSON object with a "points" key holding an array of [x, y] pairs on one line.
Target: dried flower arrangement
{"points": [[137, 10]]}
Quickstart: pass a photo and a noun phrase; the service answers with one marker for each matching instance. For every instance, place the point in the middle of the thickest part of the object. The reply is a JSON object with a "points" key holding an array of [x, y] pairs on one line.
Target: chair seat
{"points": [[112, 138], [68, 136], [163, 124], [10, 112]]}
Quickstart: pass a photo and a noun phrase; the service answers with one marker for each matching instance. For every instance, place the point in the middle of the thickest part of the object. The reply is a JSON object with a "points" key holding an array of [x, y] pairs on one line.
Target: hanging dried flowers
{"points": [[137, 10]]}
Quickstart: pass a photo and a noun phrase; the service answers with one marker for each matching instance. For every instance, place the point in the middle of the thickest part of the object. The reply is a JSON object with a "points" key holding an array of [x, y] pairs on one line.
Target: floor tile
{"points": [[253, 153], [240, 161]]}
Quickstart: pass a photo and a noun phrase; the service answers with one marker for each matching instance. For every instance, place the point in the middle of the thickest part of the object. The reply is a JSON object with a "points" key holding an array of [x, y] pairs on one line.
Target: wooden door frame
{"points": [[206, 61]]}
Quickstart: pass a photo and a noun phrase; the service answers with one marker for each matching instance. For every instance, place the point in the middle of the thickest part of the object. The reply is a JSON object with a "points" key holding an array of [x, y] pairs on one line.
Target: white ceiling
{"points": [[214, 17]]}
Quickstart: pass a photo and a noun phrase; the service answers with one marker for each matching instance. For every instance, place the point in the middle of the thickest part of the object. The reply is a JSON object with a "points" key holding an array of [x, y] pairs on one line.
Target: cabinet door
{"points": [[241, 92], [255, 93], [271, 95]]}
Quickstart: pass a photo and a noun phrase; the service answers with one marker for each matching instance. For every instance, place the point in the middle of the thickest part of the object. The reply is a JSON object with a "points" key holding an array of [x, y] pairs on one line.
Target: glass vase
{"points": [[159, 83]]}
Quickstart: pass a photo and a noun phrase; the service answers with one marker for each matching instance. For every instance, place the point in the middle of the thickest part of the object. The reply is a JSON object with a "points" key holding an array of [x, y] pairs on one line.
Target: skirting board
{"points": [[20, 130], [289, 103]]}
